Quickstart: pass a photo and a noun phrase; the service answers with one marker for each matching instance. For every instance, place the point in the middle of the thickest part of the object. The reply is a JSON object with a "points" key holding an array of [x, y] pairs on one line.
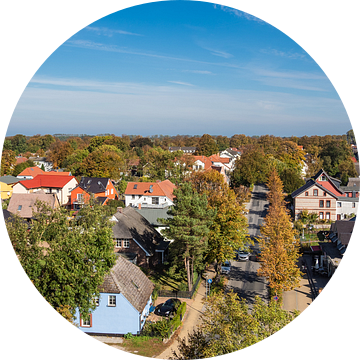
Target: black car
{"points": [[167, 308]]}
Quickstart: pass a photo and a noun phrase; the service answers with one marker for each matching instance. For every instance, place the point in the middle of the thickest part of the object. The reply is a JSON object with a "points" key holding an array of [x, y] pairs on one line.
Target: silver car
{"points": [[243, 255], [225, 267]]}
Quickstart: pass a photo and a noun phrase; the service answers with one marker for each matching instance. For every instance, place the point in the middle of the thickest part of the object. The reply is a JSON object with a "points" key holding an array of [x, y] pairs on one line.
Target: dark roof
{"points": [[130, 224], [127, 279], [101, 199], [153, 214], [8, 179], [93, 185], [308, 185]]}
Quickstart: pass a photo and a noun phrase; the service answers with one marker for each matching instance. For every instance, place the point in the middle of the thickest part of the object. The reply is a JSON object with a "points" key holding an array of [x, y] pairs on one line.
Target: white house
{"points": [[149, 194]]}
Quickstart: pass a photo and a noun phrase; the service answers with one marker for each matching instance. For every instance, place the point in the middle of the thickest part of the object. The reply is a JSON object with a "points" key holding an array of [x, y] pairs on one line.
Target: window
{"points": [[133, 197], [118, 243], [306, 193], [323, 178], [321, 203], [353, 205], [328, 215], [321, 215], [126, 243], [155, 201], [324, 193], [112, 191], [112, 300], [86, 322], [315, 192], [327, 203], [96, 301], [19, 207], [80, 197], [338, 204]]}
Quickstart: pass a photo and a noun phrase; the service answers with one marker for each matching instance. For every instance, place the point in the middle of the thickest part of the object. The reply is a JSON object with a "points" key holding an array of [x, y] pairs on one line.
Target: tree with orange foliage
{"points": [[279, 248]]}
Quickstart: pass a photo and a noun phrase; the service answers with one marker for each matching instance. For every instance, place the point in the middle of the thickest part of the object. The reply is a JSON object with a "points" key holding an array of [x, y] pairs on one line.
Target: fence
{"points": [[181, 294]]}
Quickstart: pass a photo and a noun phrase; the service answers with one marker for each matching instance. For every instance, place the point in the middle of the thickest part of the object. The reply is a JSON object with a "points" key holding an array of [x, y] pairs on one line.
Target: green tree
{"points": [[228, 325], [291, 180], [189, 227], [251, 168], [106, 161], [22, 166], [66, 260], [229, 229], [207, 146], [18, 143]]}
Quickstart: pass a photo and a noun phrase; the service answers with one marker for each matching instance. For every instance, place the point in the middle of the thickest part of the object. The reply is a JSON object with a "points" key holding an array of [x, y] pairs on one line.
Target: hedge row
{"points": [[165, 327]]}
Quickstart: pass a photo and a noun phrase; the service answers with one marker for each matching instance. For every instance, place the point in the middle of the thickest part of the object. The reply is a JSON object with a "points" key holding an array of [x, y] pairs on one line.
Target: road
{"points": [[243, 278]]}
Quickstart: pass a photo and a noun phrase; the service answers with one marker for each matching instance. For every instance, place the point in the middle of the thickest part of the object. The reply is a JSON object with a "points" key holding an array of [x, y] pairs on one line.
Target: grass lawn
{"points": [[144, 346]]}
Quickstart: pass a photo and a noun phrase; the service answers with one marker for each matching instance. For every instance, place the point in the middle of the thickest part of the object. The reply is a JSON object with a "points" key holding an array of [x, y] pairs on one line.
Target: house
{"points": [[42, 161], [323, 195], [137, 240], [332, 252], [24, 204], [6, 186], [51, 184], [149, 194], [102, 189], [152, 215], [30, 172], [124, 302], [184, 149]]}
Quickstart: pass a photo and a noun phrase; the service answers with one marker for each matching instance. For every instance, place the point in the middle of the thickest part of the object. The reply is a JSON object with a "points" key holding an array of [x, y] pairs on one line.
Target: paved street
{"points": [[243, 277]]}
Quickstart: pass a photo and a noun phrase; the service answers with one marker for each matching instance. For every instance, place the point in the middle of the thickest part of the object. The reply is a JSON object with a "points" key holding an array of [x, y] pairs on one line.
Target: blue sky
{"points": [[180, 68]]}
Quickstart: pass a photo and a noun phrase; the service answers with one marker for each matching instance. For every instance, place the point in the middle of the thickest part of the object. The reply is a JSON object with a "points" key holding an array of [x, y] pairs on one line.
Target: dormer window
{"points": [[135, 186], [323, 178]]}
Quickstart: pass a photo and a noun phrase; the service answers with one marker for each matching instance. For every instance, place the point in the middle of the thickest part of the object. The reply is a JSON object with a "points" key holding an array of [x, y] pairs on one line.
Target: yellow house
{"points": [[6, 190]]}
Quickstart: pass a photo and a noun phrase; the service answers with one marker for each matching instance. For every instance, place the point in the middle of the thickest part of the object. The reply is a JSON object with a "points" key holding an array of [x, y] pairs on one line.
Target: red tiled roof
{"points": [[47, 181], [20, 160], [63, 173]]}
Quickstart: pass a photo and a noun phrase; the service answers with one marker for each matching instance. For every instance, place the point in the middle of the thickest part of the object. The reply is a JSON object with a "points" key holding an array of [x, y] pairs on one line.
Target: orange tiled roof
{"points": [[32, 171], [163, 188]]}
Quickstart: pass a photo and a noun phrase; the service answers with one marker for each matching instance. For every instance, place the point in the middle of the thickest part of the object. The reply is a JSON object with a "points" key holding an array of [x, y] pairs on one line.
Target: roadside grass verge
{"points": [[144, 346]]}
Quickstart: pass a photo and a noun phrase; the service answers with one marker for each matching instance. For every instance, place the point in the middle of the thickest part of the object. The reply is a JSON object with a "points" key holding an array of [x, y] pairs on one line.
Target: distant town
{"points": [[145, 239]]}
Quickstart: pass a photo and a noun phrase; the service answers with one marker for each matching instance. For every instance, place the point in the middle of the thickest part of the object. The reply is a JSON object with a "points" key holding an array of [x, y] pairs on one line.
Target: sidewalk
{"points": [[192, 316], [301, 297]]}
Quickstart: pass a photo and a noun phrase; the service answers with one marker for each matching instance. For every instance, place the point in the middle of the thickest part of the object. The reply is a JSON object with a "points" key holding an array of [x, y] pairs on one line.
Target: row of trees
{"points": [[208, 224]]}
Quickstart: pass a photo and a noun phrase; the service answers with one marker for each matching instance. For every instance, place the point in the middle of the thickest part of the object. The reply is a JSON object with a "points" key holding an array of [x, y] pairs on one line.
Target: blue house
{"points": [[124, 302]]}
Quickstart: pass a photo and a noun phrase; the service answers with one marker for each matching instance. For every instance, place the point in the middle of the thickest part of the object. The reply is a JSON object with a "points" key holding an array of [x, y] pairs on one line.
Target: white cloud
{"points": [[109, 32], [239, 13], [204, 72], [181, 83]]}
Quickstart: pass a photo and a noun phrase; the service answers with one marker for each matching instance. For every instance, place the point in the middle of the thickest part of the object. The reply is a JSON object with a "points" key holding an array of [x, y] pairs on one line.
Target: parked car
{"points": [[243, 255], [257, 254], [225, 267], [168, 308]]}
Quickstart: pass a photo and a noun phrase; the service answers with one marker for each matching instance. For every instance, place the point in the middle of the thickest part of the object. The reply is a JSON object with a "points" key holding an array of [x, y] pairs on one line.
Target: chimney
{"points": [[139, 206], [120, 209]]}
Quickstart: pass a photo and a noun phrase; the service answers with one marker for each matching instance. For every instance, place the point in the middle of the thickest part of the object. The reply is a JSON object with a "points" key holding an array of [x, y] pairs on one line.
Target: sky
{"points": [[180, 67]]}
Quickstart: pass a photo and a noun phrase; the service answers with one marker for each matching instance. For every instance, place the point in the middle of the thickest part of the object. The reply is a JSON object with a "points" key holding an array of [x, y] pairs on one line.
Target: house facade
{"points": [[42, 161], [124, 302], [6, 186], [102, 189], [60, 185], [149, 194], [323, 195]]}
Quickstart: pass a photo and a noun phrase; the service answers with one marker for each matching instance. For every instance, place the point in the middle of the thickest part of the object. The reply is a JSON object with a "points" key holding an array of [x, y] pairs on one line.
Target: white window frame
{"points": [[126, 243], [118, 243], [112, 300], [86, 323]]}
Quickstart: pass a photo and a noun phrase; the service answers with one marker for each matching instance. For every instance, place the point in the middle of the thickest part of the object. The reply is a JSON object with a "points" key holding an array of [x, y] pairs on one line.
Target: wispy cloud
{"points": [[181, 83], [109, 32], [239, 13], [204, 72], [286, 54], [220, 53]]}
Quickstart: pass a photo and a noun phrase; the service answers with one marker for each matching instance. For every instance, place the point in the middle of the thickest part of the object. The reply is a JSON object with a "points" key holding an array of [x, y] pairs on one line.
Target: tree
{"points": [[279, 249], [22, 166], [207, 146], [229, 229], [251, 168], [228, 325], [291, 180], [8, 161], [66, 260], [106, 161], [189, 228]]}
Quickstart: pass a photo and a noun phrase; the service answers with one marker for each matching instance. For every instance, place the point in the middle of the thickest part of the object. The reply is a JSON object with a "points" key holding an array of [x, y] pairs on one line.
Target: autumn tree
{"points": [[251, 168], [106, 161], [189, 228], [66, 260], [228, 325], [279, 248], [229, 228], [207, 146], [8, 162], [59, 151]]}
